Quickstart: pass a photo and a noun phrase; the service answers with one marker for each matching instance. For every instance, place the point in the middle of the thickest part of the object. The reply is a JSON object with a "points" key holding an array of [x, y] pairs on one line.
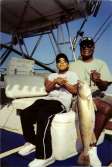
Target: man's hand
{"points": [[95, 76], [60, 81]]}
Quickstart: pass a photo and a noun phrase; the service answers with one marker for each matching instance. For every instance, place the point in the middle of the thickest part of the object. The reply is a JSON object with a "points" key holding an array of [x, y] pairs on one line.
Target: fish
{"points": [[86, 113]]}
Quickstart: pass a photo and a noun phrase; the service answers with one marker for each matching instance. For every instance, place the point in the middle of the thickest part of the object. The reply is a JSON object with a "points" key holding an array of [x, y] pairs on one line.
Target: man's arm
{"points": [[102, 85], [71, 88], [51, 85]]}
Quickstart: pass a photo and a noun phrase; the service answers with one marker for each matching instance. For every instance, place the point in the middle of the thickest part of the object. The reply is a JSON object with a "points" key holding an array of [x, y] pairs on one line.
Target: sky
{"points": [[103, 49]]}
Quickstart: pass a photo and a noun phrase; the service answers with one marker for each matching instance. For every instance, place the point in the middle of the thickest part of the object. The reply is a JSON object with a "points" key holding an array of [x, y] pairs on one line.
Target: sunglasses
{"points": [[87, 45]]}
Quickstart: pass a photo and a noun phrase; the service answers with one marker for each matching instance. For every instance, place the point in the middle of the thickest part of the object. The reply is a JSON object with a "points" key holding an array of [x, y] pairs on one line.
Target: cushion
{"points": [[68, 117], [65, 141], [19, 86], [24, 102]]}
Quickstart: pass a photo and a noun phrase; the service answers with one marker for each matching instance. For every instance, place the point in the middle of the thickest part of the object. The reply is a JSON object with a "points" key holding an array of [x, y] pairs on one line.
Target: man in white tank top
{"points": [[61, 87]]}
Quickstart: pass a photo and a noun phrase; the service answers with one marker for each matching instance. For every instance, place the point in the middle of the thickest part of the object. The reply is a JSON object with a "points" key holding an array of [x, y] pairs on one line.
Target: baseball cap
{"points": [[86, 41]]}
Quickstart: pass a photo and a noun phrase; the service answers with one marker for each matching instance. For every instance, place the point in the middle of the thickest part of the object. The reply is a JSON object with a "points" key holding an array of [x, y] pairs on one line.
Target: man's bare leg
{"points": [[103, 114]]}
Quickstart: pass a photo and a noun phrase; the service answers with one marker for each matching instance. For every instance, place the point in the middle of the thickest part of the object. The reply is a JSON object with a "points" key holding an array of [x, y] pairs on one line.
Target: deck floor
{"points": [[11, 140]]}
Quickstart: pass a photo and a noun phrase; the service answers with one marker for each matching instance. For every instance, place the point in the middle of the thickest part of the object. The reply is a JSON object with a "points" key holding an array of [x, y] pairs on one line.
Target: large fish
{"points": [[86, 111]]}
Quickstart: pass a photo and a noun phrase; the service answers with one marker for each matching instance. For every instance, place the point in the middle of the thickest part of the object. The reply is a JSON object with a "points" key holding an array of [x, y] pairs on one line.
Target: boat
{"points": [[20, 70]]}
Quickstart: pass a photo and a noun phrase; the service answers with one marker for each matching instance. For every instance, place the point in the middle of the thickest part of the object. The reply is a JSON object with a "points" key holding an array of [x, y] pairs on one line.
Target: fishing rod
{"points": [[101, 27]]}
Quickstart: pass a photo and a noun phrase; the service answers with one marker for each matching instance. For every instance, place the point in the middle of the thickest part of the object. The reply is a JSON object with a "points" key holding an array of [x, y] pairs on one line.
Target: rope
{"points": [[108, 25]]}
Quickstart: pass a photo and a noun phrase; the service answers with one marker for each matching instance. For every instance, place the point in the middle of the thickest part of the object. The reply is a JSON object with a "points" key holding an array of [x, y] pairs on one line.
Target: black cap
{"points": [[61, 55], [86, 41]]}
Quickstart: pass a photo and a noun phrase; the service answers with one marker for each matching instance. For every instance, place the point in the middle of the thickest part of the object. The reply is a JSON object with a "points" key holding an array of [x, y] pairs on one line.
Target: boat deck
{"points": [[12, 140]]}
